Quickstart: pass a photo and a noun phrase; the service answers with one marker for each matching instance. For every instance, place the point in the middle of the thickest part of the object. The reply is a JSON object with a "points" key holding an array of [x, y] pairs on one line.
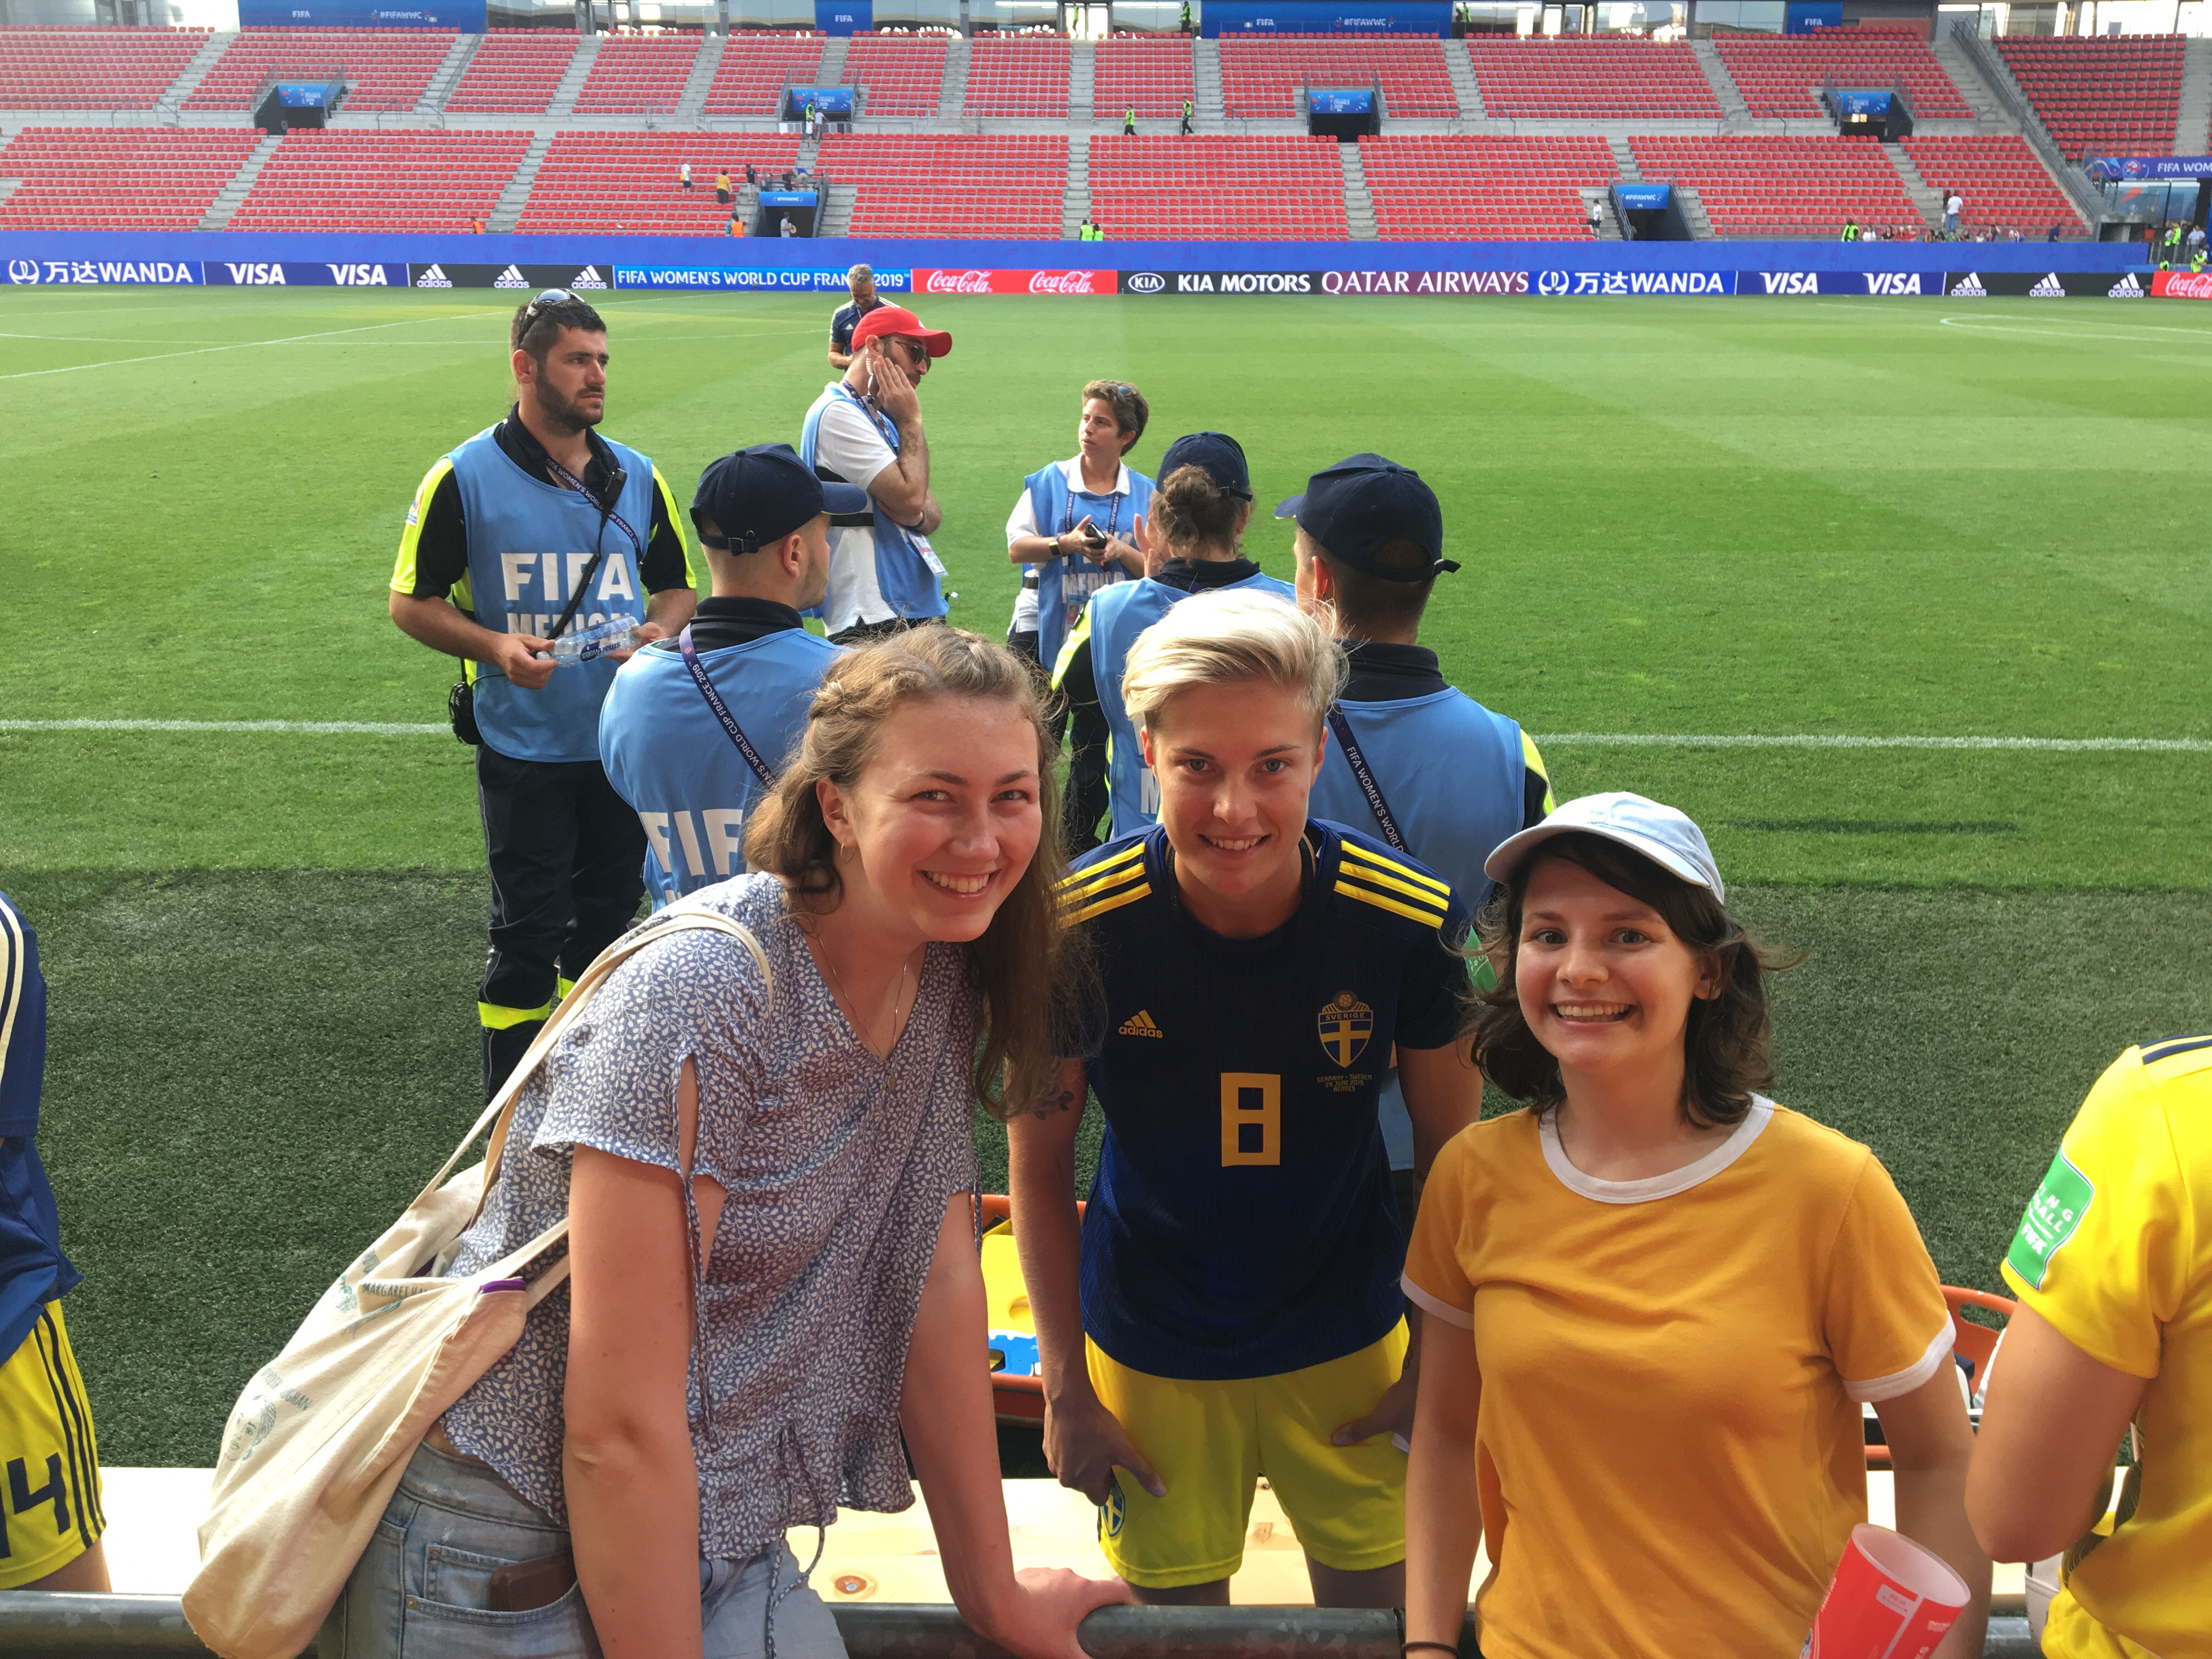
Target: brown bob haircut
{"points": [[1726, 1055], [1031, 975]]}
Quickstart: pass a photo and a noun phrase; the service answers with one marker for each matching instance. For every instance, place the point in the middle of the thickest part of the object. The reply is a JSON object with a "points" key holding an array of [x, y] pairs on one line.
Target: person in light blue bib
{"points": [[1074, 529]]}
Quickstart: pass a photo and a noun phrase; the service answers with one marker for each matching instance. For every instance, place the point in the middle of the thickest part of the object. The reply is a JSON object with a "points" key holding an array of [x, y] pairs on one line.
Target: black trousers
{"points": [[568, 859], [862, 633]]}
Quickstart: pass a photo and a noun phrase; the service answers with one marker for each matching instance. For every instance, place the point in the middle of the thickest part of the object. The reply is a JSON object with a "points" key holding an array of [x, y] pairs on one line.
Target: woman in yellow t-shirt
{"points": [[2112, 1264], [1658, 1298]]}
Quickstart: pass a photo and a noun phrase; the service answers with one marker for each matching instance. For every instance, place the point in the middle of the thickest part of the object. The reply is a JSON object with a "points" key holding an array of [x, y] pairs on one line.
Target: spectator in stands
{"points": [[1129, 122], [1953, 206], [861, 282], [737, 223], [542, 521], [901, 911], [1596, 218], [866, 428], [45, 1425], [2053, 236], [1658, 1297], [2113, 1265], [1074, 527], [722, 185], [1451, 780], [1192, 542], [1189, 110], [683, 176], [752, 175]]}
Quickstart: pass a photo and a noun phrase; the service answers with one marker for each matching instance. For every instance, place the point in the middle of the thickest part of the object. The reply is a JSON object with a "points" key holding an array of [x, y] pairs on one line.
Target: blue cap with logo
{"points": [[758, 495], [1353, 507], [1660, 832], [1217, 454]]}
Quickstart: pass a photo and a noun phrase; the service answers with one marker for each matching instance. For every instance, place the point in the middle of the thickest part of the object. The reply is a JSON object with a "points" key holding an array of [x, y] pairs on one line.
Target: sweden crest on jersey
{"points": [[1345, 1024]]}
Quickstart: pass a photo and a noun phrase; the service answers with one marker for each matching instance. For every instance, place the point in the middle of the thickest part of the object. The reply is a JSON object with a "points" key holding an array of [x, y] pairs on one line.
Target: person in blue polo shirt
{"points": [[50, 1526], [1200, 509], [695, 728], [1410, 759]]}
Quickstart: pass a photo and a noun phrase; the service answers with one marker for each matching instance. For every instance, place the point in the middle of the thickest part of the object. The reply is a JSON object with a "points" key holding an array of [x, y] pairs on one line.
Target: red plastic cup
{"points": [[1890, 1599]]}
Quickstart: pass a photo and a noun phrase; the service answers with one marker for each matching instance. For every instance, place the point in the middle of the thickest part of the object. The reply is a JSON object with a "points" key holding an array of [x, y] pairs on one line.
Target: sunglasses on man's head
{"points": [[551, 296]]}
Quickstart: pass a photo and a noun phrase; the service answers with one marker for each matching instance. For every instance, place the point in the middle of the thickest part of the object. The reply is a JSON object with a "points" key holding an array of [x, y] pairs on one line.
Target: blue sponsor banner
{"points": [[1568, 285], [750, 279], [302, 273], [2108, 168], [1893, 284], [1644, 199], [1323, 17], [1347, 101], [29, 273], [787, 198], [844, 16], [833, 102], [1811, 16], [467, 16]]}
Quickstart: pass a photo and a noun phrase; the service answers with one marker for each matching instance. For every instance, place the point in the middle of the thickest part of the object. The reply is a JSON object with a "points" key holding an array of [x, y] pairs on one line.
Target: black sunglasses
{"points": [[551, 296]]}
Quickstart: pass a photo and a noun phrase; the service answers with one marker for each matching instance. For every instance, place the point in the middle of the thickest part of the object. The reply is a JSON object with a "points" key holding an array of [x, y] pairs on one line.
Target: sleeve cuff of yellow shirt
{"points": [[1904, 1381], [1443, 1310]]}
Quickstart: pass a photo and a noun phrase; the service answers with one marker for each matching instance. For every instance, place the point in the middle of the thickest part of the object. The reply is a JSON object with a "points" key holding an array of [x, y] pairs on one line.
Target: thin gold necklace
{"points": [[898, 990]]}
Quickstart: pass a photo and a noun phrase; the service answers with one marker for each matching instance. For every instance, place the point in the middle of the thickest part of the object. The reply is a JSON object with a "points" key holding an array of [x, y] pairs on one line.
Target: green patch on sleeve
{"points": [[2053, 1216]]}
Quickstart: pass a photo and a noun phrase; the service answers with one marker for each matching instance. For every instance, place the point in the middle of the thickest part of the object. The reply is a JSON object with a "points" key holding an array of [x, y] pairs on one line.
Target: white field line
{"points": [[1566, 739], [249, 345]]}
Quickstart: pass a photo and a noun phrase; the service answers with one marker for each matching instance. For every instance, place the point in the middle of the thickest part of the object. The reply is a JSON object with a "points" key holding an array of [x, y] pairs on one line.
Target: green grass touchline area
{"points": [[1814, 519]]}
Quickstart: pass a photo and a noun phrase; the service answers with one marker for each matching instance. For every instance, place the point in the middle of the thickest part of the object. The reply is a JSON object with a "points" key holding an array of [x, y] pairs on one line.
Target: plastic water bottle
{"points": [[587, 644]]}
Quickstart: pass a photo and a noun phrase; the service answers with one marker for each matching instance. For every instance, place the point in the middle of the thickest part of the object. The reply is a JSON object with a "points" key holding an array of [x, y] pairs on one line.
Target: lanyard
{"points": [[722, 709], [1113, 513], [1361, 770], [570, 481]]}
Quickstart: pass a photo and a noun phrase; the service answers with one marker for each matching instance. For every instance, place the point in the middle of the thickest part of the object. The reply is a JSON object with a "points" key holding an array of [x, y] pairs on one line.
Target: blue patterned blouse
{"points": [[838, 1167]]}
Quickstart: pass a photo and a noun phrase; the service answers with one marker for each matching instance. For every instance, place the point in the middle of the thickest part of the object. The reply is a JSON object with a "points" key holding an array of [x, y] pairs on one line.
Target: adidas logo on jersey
{"points": [[1140, 1024], [2126, 289], [510, 278], [434, 277], [587, 277], [2050, 288]]}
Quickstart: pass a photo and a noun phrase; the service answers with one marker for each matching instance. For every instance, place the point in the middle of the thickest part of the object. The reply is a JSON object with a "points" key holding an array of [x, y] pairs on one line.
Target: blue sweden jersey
{"points": [[1242, 1223], [667, 754]]}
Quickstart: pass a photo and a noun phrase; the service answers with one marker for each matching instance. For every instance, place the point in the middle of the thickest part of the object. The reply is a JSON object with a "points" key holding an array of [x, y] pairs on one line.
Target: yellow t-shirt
{"points": [[1670, 1451], [2116, 1251]]}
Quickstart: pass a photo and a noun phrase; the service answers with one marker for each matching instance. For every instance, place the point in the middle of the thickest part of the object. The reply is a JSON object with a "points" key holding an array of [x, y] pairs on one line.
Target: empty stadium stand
{"points": [[92, 68], [119, 178], [946, 185], [514, 72], [903, 73], [626, 181], [1152, 76], [1018, 74], [1208, 189], [385, 69], [2110, 97], [756, 68], [1260, 74], [1780, 76], [1758, 185], [2002, 183], [334, 179], [638, 75], [1452, 189], [1563, 78]]}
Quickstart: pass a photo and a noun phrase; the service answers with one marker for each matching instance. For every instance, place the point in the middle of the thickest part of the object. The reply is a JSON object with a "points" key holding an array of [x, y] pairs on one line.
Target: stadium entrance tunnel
{"points": [[48, 1626], [1651, 212]]}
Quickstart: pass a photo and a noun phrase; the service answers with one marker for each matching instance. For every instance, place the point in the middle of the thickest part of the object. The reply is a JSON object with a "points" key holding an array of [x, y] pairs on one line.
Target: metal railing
{"points": [[1998, 77], [44, 1626]]}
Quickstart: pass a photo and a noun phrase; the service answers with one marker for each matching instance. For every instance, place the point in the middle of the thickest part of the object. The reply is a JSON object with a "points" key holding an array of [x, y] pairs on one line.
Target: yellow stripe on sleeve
{"points": [[675, 523], [1111, 901], [1078, 635], [1535, 763], [411, 532], [1367, 863], [1432, 918], [1105, 883], [1089, 873]]}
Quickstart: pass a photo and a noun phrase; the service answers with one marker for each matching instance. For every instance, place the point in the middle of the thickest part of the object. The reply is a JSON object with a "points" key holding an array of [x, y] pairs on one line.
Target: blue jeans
{"points": [[421, 1589]]}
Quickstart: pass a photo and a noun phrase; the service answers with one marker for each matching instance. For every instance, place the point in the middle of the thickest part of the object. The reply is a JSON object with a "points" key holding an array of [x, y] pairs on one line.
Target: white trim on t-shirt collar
{"points": [[1072, 470], [1659, 1186]]}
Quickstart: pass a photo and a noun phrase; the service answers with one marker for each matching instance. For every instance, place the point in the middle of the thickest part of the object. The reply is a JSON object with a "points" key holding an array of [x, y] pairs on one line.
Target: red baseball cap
{"points": [[897, 319]]}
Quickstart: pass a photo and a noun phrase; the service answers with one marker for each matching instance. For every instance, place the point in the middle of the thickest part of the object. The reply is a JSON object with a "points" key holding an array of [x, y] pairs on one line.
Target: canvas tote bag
{"points": [[316, 1445]]}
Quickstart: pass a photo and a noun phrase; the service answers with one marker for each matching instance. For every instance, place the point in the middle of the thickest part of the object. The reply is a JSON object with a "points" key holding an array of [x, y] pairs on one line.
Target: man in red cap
{"points": [[865, 429]]}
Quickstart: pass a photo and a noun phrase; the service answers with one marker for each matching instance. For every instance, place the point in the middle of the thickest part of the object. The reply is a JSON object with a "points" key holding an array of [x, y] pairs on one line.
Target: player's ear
{"points": [[1145, 743]]}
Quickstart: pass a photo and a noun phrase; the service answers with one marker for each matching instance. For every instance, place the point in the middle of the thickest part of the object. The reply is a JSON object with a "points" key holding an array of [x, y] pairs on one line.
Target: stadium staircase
{"points": [[1990, 115], [448, 75], [507, 212], [1206, 80], [1358, 205], [1926, 199], [1995, 75], [1082, 83], [829, 71], [1075, 200], [952, 93], [1736, 114], [189, 78], [2192, 118], [232, 195], [1462, 73], [834, 213], [693, 104], [563, 101]]}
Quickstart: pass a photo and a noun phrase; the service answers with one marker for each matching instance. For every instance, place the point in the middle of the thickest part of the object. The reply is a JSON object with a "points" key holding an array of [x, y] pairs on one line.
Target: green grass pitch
{"points": [[1832, 519]]}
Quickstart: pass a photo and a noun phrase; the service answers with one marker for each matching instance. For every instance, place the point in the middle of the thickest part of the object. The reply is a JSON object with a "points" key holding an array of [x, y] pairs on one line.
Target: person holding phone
{"points": [[1074, 527]]}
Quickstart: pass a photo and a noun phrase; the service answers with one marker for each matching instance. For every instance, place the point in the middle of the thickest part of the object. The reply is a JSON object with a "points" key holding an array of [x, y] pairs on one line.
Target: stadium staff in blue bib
{"points": [[1189, 541], [695, 728], [532, 519], [1240, 1315], [865, 429], [1410, 759], [860, 281], [1075, 526], [52, 1522]]}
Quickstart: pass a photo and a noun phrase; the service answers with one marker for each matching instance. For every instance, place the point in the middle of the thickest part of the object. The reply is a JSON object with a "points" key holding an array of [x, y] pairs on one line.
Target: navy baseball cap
{"points": [[761, 495], [1217, 454], [1353, 507]]}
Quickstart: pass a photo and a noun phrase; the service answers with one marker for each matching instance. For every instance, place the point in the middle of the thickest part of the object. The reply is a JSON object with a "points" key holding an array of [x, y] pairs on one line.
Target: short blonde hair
{"points": [[1228, 637]]}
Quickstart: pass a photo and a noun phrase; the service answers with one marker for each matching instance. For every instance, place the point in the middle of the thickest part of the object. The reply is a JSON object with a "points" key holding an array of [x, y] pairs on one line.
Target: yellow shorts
{"points": [[1210, 1441], [50, 1511]]}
